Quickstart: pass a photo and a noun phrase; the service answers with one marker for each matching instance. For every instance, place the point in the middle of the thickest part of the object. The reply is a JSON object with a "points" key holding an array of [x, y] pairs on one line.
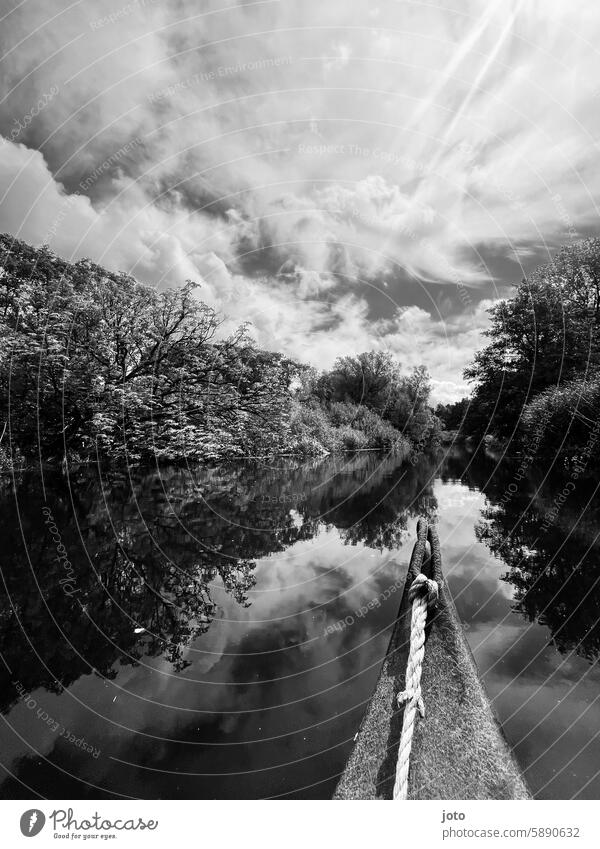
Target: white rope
{"points": [[423, 593]]}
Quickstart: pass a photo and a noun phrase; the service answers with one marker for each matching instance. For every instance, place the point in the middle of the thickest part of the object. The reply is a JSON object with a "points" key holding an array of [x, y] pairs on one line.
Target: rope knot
{"points": [[410, 695], [424, 586]]}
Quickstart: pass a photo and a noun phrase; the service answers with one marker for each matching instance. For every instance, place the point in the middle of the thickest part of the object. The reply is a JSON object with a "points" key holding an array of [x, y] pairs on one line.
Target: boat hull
{"points": [[458, 750]]}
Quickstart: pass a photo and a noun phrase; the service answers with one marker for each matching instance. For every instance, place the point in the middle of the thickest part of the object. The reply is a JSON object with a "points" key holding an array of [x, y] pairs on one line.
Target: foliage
{"points": [[373, 381], [369, 379], [96, 364], [545, 338], [319, 428], [452, 415], [571, 427]]}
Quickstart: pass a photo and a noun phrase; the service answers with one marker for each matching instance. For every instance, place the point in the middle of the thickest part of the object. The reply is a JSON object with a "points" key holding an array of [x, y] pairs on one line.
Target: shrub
{"points": [[567, 421], [352, 439]]}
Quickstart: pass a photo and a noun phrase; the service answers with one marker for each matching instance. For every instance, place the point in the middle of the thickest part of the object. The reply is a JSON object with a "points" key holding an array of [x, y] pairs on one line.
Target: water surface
{"points": [[216, 632]]}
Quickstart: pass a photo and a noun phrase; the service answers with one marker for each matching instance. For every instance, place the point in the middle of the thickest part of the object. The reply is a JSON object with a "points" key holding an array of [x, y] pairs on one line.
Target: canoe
{"points": [[458, 748]]}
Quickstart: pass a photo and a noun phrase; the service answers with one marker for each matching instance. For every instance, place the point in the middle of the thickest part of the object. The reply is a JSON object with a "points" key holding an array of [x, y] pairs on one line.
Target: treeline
{"points": [[537, 382], [452, 415], [97, 365], [364, 402]]}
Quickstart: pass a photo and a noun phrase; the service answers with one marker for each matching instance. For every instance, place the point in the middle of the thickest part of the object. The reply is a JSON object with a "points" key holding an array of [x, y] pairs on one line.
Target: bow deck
{"points": [[458, 750]]}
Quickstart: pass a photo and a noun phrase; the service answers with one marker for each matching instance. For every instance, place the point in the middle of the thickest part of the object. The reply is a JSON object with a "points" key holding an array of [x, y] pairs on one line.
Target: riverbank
{"points": [[401, 452], [98, 365]]}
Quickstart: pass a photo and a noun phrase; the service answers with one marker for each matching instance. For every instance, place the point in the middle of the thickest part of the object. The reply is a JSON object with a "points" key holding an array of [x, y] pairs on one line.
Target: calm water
{"points": [[205, 639]]}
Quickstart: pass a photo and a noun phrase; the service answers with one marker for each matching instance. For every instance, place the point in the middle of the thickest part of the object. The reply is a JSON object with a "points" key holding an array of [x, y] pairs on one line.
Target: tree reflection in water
{"points": [[147, 550], [552, 553]]}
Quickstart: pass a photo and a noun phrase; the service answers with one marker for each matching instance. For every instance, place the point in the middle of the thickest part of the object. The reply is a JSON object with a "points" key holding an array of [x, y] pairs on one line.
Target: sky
{"points": [[343, 176]]}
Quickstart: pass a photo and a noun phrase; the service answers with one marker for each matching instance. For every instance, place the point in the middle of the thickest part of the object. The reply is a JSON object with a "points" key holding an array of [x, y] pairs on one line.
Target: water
{"points": [[217, 632]]}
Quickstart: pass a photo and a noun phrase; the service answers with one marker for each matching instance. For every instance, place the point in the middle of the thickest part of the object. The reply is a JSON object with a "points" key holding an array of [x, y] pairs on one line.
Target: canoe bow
{"points": [[458, 750]]}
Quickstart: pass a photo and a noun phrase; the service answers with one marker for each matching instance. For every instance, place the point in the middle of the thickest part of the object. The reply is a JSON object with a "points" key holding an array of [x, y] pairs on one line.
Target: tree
{"points": [[409, 409], [98, 365], [98, 362], [453, 415], [548, 333], [369, 379]]}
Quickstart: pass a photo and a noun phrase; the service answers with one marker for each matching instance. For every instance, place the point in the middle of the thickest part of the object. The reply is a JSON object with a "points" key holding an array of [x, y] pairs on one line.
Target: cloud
{"points": [[127, 232], [295, 161], [299, 311]]}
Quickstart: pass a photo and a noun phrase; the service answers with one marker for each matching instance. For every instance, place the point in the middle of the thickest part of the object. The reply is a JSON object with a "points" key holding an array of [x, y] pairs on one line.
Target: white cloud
{"points": [[418, 142]]}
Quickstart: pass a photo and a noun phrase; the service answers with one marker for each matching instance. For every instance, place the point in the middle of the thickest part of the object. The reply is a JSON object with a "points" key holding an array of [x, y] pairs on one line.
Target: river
{"points": [[216, 632]]}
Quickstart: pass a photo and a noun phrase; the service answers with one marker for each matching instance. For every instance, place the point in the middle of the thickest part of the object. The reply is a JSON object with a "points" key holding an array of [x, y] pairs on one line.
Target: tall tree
{"points": [[94, 361], [546, 334], [369, 378]]}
